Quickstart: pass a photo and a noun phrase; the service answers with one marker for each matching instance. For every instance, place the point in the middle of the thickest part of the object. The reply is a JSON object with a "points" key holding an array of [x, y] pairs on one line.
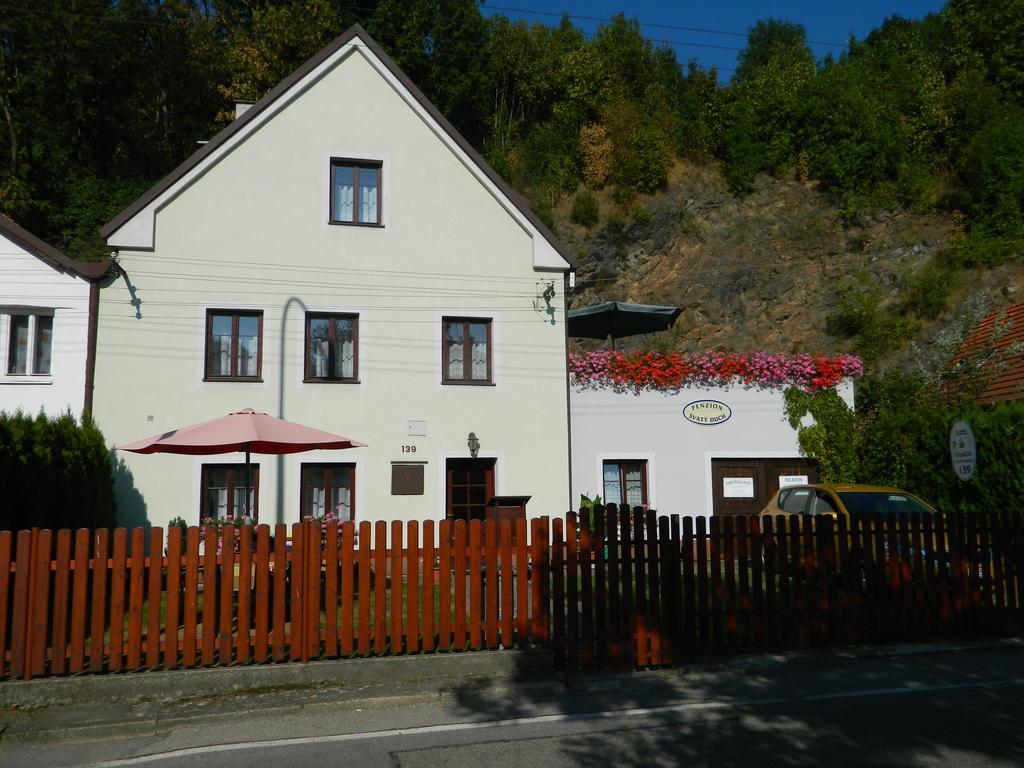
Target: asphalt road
{"points": [[959, 709]]}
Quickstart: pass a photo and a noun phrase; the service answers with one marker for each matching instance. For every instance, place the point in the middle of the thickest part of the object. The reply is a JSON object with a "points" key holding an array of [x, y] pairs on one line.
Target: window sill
{"points": [[25, 379], [354, 224], [233, 380], [331, 381], [468, 383]]}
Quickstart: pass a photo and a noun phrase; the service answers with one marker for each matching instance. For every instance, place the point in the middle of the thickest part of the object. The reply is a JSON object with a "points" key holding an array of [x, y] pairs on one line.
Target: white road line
{"points": [[540, 719]]}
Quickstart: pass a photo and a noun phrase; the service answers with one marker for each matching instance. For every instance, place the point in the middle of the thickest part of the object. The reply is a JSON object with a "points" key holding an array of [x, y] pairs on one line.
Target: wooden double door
{"points": [[744, 486]]}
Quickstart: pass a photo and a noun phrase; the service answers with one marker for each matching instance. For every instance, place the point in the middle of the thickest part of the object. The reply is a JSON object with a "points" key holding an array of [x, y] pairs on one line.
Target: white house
{"points": [[695, 450], [46, 302], [339, 256]]}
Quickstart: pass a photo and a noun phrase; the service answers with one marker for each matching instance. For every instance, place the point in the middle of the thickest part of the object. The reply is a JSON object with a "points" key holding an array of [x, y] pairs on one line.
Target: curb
{"points": [[445, 670], [26, 732]]}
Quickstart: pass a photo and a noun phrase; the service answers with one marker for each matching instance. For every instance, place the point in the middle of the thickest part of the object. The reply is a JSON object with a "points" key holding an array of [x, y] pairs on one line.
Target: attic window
{"points": [[355, 192]]}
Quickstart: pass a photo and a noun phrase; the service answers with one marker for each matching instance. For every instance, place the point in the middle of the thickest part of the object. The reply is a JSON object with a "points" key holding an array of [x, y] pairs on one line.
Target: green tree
{"points": [[994, 176], [774, 72], [438, 43], [766, 40]]}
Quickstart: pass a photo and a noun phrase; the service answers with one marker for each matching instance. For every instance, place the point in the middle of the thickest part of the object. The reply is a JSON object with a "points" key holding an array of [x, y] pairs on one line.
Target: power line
{"points": [[650, 24], [390, 37]]}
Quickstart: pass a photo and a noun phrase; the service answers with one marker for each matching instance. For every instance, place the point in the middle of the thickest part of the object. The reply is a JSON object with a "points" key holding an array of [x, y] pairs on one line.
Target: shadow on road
{"points": [[921, 709]]}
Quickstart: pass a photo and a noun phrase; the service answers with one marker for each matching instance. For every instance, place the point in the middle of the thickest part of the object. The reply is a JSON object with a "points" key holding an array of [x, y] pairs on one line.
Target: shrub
{"points": [[584, 209], [615, 230], [859, 316], [927, 291], [596, 155], [55, 473], [653, 159], [899, 437]]}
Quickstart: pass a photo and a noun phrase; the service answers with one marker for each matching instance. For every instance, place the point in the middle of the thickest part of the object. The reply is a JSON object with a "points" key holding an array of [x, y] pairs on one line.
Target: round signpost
{"points": [[963, 450]]}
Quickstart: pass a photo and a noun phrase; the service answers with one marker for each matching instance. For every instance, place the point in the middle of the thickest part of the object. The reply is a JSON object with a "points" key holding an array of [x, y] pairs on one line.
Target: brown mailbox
{"points": [[506, 507]]}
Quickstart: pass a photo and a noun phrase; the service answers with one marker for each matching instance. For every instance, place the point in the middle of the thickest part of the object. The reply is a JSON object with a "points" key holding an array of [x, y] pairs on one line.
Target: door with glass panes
{"points": [[470, 485]]}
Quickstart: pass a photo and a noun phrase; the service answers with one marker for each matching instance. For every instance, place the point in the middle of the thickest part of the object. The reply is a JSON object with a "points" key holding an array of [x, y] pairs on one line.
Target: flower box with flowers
{"points": [[221, 525], [673, 371]]}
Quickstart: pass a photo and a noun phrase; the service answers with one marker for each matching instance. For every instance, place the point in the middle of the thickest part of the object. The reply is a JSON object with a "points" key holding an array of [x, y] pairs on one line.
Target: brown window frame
{"points": [[235, 314], [354, 378], [236, 473], [328, 466], [645, 498], [356, 164], [467, 358]]}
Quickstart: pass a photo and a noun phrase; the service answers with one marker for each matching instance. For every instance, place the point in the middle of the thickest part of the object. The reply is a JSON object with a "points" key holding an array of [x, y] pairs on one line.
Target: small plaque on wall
{"points": [[738, 487], [407, 479]]}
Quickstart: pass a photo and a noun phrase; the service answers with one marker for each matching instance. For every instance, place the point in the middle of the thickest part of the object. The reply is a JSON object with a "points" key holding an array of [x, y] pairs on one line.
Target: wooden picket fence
{"points": [[649, 590], [601, 588]]}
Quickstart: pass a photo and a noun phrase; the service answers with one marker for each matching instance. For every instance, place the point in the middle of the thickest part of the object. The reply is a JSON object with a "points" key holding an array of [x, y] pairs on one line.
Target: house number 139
{"points": [[408, 449]]}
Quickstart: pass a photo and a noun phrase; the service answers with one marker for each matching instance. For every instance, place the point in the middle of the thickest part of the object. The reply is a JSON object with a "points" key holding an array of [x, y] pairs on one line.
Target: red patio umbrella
{"points": [[245, 430]]}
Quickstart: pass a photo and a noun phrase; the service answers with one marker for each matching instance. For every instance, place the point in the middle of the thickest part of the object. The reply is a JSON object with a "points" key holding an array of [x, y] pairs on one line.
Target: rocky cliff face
{"points": [[765, 272]]}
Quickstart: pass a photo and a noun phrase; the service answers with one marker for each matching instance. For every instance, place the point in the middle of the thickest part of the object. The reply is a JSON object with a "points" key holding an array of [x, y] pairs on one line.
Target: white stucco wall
{"points": [[29, 285], [253, 233], [650, 426]]}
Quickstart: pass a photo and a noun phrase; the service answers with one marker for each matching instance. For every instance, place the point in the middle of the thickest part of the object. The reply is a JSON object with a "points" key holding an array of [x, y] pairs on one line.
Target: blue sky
{"points": [[828, 22]]}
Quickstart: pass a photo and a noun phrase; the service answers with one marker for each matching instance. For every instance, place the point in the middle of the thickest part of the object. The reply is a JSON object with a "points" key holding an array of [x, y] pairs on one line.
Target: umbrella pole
{"points": [[248, 480]]}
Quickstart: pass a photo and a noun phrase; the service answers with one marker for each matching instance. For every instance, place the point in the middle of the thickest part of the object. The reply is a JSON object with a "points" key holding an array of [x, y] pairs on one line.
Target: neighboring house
{"points": [[46, 304], [339, 256], [990, 361], [695, 447]]}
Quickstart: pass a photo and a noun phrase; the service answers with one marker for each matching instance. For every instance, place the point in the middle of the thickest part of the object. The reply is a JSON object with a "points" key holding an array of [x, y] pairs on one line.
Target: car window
{"points": [[882, 503], [794, 500], [822, 504]]}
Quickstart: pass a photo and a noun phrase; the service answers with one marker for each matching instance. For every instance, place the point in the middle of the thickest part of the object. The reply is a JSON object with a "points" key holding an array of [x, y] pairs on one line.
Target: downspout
{"points": [[90, 349], [567, 280]]}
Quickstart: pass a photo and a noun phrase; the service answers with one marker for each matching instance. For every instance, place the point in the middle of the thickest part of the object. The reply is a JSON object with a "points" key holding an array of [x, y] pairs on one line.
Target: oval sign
{"points": [[963, 450], [707, 412]]}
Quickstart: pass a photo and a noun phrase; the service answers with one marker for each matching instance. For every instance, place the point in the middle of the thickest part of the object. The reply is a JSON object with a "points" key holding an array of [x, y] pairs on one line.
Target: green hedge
{"points": [[900, 437], [54, 473]]}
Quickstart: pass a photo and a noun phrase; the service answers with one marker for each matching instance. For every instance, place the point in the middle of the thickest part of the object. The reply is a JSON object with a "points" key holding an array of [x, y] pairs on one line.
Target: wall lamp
{"points": [[474, 444]]}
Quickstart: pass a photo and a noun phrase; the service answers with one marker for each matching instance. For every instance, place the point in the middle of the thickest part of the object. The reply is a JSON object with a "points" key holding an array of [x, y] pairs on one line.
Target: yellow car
{"points": [[834, 499], [830, 500]]}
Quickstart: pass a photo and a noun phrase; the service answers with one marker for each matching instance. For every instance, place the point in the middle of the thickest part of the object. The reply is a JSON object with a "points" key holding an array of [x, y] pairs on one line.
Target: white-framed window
{"points": [[328, 489], [27, 336], [223, 491], [625, 482]]}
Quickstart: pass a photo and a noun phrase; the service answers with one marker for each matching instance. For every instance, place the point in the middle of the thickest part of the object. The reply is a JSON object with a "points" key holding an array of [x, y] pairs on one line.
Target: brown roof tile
{"points": [[993, 354]]}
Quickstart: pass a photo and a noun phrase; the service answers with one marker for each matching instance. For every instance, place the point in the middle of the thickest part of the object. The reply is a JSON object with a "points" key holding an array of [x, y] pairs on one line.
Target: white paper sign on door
{"points": [[738, 487], [787, 480]]}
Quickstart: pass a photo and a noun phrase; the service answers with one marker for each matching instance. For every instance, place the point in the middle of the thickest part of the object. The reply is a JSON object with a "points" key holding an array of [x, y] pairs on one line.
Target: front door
{"points": [[470, 485], [744, 486]]}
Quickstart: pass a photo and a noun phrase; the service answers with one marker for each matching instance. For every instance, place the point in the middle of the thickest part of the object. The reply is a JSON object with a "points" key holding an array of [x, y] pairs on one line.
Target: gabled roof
{"points": [[254, 113], [90, 270], [992, 354]]}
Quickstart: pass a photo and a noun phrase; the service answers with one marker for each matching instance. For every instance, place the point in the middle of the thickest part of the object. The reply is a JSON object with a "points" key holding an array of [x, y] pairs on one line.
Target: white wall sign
{"points": [[963, 450], [738, 487], [787, 480], [707, 412]]}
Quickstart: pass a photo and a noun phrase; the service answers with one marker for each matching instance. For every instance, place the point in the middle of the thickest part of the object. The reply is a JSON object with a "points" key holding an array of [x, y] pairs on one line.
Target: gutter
{"points": [[90, 350]]}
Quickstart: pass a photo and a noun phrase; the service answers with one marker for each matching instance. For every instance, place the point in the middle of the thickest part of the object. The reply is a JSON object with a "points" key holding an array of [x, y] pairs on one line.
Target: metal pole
{"points": [[248, 478]]}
